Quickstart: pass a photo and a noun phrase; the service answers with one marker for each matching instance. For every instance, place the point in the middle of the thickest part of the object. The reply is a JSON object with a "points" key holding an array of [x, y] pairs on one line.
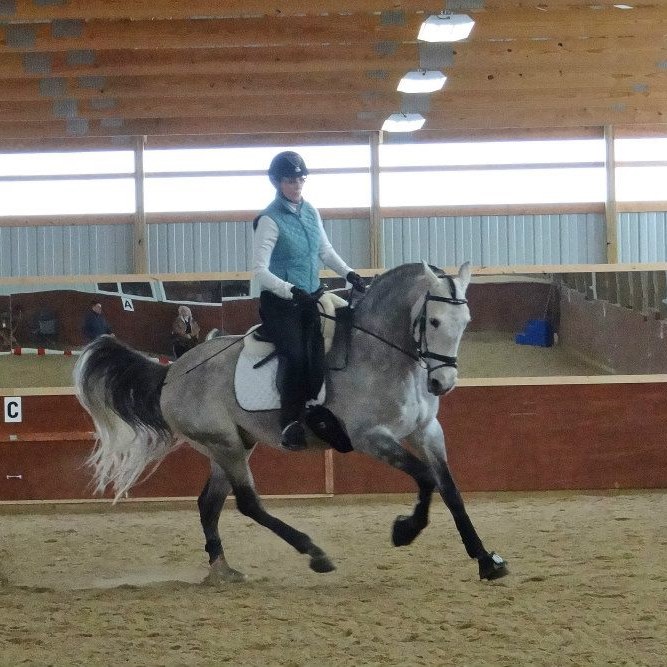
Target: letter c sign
{"points": [[13, 411]]}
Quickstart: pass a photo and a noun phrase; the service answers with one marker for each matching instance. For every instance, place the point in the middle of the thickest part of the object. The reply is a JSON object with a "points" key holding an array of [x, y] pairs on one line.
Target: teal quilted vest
{"points": [[295, 257]]}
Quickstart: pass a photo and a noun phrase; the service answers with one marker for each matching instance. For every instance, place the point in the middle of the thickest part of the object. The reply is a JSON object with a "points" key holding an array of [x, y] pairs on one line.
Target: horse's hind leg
{"points": [[210, 503], [235, 466]]}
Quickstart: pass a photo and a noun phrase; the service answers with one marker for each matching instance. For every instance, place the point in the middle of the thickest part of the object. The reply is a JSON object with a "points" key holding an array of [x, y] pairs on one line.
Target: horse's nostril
{"points": [[435, 386]]}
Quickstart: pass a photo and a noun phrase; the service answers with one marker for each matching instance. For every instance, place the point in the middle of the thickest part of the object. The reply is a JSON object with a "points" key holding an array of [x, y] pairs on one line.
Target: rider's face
{"points": [[290, 188]]}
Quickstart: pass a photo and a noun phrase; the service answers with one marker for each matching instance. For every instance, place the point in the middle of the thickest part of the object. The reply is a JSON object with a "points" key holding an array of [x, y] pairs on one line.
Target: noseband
{"points": [[420, 321]]}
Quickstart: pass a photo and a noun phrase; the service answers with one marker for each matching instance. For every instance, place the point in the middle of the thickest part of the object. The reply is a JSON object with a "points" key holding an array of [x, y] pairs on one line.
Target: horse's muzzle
{"points": [[436, 387]]}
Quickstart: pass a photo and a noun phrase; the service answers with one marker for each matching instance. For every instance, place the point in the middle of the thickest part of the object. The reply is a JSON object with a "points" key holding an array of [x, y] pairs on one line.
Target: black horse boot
{"points": [[324, 424], [293, 437]]}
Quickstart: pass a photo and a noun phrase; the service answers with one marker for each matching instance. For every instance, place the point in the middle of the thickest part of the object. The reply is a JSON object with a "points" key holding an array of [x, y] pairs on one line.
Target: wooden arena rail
{"points": [[519, 434]]}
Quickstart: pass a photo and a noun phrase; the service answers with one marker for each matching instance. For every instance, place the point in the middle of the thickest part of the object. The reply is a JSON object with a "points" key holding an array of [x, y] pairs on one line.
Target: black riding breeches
{"points": [[295, 331]]}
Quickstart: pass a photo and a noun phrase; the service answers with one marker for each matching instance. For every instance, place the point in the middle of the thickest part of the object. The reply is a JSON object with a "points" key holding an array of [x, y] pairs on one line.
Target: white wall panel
{"points": [[70, 250], [351, 240], [200, 246], [642, 237], [227, 246], [495, 240]]}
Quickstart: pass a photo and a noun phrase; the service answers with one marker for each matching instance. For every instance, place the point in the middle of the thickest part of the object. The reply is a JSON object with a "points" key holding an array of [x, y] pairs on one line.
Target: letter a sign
{"points": [[13, 409], [127, 304]]}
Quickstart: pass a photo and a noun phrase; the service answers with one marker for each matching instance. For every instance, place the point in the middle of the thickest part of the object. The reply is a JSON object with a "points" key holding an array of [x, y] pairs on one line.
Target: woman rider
{"points": [[289, 244]]}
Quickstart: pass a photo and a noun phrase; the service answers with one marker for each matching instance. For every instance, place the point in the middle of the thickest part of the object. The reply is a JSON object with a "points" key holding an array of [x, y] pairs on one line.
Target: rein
{"points": [[423, 352], [407, 353]]}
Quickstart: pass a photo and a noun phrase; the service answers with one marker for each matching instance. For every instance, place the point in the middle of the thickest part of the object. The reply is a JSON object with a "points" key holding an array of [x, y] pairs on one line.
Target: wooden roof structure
{"points": [[313, 68]]}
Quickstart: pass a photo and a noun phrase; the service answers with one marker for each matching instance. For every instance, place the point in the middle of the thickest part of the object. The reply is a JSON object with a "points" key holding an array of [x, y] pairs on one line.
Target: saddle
{"points": [[259, 345], [257, 376]]}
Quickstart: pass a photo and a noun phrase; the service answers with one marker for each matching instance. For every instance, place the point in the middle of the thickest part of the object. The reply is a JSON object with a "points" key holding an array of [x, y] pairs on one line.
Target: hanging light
{"points": [[403, 122], [422, 81], [445, 27]]}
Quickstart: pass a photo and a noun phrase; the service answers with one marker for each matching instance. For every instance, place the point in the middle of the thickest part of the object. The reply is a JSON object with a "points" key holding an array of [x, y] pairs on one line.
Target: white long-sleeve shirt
{"points": [[264, 240]]}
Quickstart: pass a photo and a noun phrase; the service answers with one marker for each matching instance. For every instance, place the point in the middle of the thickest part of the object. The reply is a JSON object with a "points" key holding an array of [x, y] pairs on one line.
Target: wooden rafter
{"points": [[160, 67]]}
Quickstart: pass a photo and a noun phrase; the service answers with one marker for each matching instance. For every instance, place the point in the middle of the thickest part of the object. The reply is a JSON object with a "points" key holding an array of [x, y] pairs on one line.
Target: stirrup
{"points": [[293, 437]]}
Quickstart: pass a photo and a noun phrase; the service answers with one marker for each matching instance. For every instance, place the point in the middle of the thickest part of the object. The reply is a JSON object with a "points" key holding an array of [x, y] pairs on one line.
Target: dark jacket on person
{"points": [[95, 325]]}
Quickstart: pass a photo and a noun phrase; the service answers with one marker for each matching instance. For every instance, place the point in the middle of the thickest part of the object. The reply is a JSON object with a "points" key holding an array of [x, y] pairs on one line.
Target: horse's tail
{"points": [[120, 388]]}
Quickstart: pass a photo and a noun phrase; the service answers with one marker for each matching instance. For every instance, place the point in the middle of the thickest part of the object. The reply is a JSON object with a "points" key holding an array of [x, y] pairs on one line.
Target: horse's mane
{"points": [[403, 273], [389, 298]]}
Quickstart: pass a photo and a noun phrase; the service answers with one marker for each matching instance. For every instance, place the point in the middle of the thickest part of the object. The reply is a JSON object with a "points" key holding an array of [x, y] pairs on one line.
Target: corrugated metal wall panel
{"points": [[642, 237], [199, 247], [227, 246], [351, 240], [495, 240], [70, 250]]}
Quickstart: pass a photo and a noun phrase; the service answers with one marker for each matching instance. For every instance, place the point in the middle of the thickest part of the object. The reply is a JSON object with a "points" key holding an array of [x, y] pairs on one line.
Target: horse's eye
{"points": [[434, 323]]}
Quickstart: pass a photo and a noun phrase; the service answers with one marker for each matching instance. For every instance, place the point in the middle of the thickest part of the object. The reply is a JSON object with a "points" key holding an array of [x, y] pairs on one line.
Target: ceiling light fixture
{"points": [[445, 27], [422, 81], [403, 122]]}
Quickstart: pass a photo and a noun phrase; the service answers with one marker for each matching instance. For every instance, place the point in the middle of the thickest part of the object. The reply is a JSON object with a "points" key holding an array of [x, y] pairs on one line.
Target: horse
{"points": [[400, 349]]}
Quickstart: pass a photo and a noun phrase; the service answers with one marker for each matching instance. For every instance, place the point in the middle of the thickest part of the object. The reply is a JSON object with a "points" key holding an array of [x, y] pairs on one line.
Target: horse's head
{"points": [[439, 320]]}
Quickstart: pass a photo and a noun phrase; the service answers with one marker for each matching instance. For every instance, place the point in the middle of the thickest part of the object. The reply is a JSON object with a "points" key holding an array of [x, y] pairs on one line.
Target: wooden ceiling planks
{"points": [[93, 68]]}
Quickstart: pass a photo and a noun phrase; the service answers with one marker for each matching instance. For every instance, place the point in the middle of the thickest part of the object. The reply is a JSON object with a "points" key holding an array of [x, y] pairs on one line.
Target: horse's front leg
{"points": [[381, 444], [431, 441], [210, 503]]}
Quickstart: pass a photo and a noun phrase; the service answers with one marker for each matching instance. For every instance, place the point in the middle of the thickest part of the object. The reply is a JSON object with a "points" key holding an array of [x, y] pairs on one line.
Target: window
{"points": [[636, 179], [66, 183], [137, 289], [193, 291], [143, 290], [67, 197], [502, 172], [208, 179]]}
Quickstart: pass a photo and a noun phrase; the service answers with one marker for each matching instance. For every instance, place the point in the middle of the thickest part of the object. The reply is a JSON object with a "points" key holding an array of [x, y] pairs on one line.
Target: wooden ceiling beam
{"points": [[491, 57], [29, 10], [228, 110], [203, 86], [343, 29], [146, 10], [464, 121], [172, 107], [460, 81], [214, 33], [469, 84], [233, 60], [41, 144]]}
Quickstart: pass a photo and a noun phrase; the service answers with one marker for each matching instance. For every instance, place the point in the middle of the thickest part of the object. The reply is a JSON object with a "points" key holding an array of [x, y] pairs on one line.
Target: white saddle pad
{"points": [[256, 388]]}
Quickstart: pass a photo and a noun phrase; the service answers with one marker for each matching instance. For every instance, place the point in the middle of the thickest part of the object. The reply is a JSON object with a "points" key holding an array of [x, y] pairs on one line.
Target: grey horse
{"points": [[401, 356]]}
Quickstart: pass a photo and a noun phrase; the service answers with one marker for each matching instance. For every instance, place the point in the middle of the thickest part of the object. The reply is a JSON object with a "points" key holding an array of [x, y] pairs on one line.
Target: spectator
{"points": [[184, 332], [95, 324]]}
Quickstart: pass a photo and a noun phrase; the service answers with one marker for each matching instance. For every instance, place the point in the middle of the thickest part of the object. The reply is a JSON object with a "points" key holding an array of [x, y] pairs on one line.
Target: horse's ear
{"points": [[433, 279], [465, 273]]}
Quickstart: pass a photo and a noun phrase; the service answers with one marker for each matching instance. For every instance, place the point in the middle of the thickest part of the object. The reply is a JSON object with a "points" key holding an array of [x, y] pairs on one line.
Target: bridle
{"points": [[423, 352]]}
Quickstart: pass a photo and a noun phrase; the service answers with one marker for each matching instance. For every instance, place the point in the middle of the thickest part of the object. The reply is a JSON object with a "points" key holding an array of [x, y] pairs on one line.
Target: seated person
{"points": [[184, 332]]}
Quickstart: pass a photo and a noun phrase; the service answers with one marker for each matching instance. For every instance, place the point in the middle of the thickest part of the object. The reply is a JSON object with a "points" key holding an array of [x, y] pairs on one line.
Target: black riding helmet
{"points": [[287, 164]]}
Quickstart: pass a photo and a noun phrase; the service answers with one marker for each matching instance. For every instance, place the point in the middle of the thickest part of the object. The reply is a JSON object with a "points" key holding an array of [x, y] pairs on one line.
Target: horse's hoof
{"points": [[321, 564], [222, 572], [492, 567], [404, 531]]}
